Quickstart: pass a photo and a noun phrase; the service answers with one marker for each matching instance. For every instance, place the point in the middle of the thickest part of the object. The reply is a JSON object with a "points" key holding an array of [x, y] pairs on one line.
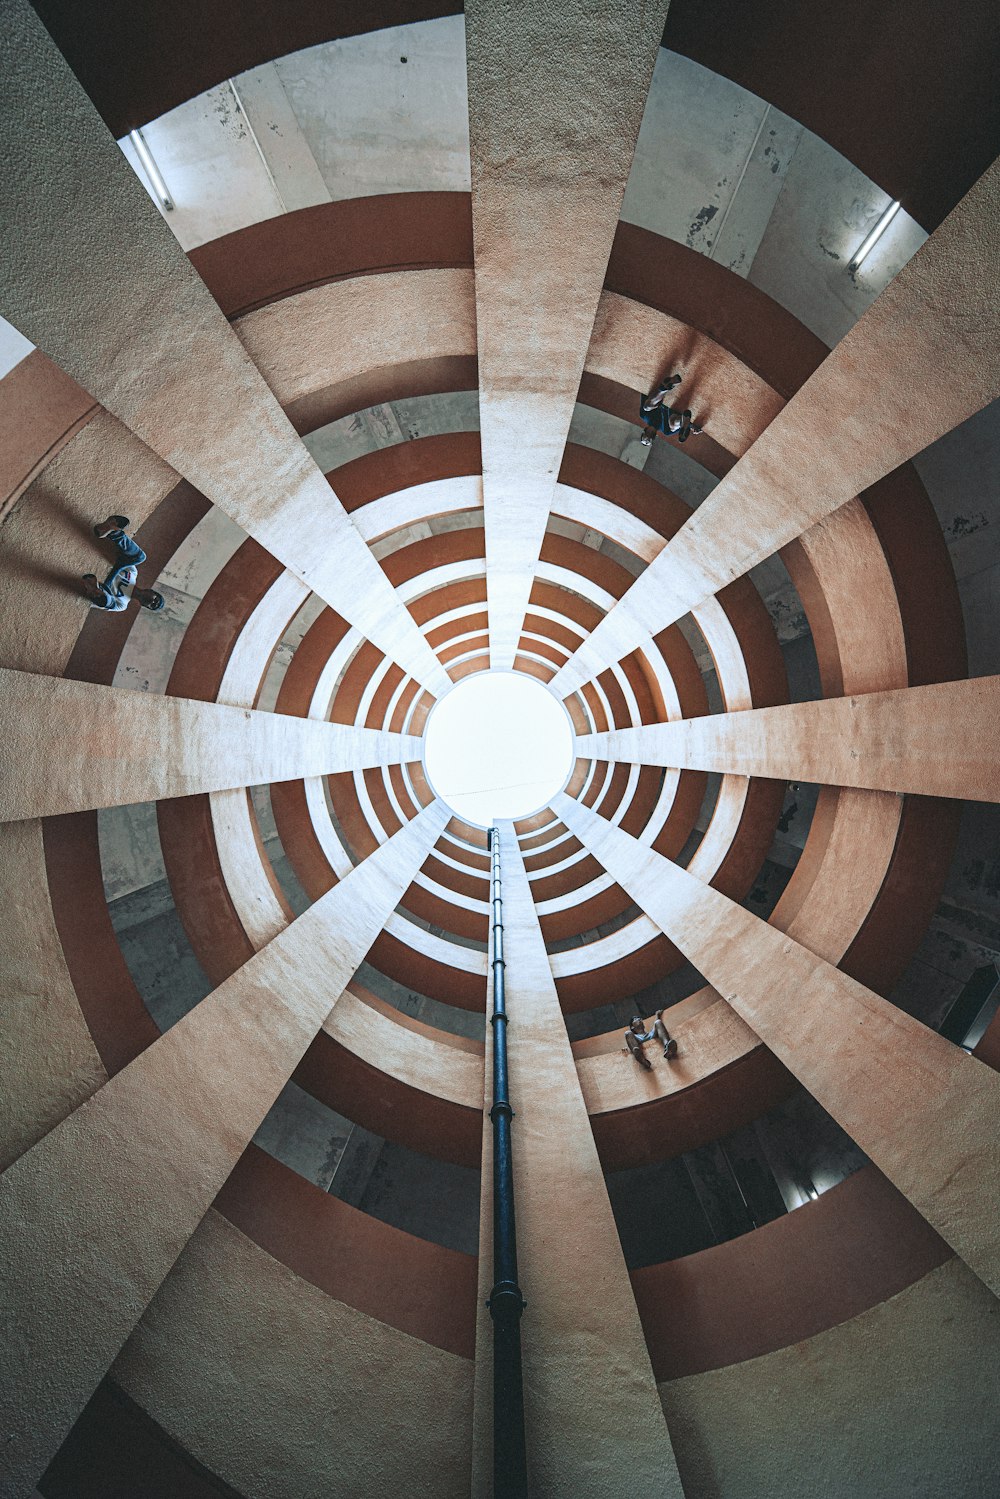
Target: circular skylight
{"points": [[498, 746]]}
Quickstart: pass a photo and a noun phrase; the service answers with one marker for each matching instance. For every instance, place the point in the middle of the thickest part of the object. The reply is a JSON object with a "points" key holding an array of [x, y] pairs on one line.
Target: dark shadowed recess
{"points": [[116, 1451]]}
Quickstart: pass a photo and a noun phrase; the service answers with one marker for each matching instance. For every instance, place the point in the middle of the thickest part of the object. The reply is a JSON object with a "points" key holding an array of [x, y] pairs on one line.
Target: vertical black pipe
{"points": [[510, 1477]]}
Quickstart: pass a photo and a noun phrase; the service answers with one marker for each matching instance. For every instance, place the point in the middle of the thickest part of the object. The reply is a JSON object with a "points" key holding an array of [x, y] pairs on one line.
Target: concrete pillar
{"points": [[48, 1061], [556, 96], [117, 747], [922, 359], [94, 1216], [923, 1110], [136, 326], [939, 740], [593, 1420]]}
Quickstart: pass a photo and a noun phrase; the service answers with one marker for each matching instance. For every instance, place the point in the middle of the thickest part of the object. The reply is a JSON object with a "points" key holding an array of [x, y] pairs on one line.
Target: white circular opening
{"points": [[498, 746]]}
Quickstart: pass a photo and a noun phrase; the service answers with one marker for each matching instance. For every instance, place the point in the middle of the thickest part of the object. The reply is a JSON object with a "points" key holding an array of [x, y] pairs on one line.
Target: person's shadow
{"points": [[66, 536]]}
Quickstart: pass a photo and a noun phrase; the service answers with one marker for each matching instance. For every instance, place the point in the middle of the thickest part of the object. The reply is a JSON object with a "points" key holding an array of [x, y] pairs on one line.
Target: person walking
{"points": [[111, 595], [128, 552], [659, 417]]}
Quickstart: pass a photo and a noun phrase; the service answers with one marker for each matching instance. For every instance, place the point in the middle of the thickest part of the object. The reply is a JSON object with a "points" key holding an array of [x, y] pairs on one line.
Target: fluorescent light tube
{"points": [[872, 239], [152, 171]]}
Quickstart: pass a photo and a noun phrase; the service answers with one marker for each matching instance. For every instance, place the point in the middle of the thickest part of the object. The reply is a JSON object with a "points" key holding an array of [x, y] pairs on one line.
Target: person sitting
{"points": [[659, 417], [636, 1037], [112, 597], [664, 1037]]}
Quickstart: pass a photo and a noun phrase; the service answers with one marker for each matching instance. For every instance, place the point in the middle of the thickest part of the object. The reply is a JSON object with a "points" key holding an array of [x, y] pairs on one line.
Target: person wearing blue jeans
{"points": [[111, 595], [659, 417], [636, 1037], [128, 551]]}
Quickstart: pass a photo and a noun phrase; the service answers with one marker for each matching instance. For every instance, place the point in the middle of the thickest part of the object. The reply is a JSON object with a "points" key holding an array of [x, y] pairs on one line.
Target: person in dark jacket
{"points": [[659, 417]]}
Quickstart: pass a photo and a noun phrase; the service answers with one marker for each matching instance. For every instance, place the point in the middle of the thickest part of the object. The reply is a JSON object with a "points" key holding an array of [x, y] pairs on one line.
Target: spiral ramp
{"points": [[368, 393]]}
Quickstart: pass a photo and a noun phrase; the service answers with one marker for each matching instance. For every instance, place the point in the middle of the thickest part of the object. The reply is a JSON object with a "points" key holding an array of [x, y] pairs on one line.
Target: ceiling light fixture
{"points": [[872, 239], [152, 171]]}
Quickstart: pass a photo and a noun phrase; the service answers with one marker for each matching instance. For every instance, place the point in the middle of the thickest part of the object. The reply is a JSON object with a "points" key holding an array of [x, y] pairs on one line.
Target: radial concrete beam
{"points": [[940, 740], [556, 96], [136, 326], [922, 359], [94, 1216], [116, 747], [922, 1109], [593, 1420]]}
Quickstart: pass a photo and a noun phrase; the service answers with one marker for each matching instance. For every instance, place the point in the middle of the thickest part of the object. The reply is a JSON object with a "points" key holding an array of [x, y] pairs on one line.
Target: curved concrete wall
{"points": [[894, 1403], [359, 1376]]}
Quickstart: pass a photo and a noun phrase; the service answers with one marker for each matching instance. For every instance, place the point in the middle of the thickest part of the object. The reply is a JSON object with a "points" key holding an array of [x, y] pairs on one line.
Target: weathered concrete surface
{"points": [[939, 740], [249, 877], [715, 167], [349, 334], [819, 909], [556, 98], [591, 1422], [819, 1264], [43, 409], [869, 407], [136, 327], [287, 1403], [48, 1061], [423, 1058], [897, 1403], [119, 747], [922, 1109], [97, 1212], [48, 541]]}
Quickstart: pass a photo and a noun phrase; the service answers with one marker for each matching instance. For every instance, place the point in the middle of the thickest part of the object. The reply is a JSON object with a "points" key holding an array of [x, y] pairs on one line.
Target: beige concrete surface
{"points": [[48, 540], [940, 740], [923, 1110], [844, 579], [710, 1039], [825, 920], [260, 904], [353, 333], [136, 327], [723, 827], [592, 1424], [116, 747], [314, 1400], [556, 98], [254, 647], [95, 1214], [897, 1403], [632, 343], [922, 359], [48, 1061], [420, 1059]]}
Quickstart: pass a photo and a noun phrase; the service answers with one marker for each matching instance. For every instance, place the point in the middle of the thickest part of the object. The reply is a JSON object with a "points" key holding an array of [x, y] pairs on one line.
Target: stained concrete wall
{"points": [[898, 1403], [715, 167]]}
